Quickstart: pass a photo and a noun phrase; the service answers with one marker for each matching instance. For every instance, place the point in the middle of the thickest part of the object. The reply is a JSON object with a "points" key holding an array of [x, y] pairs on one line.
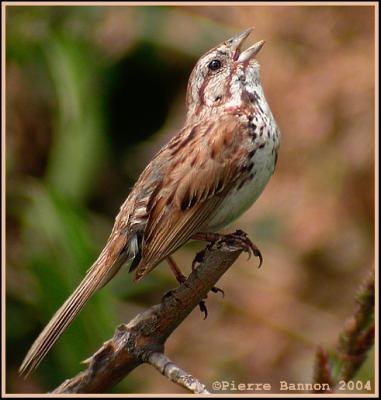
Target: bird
{"points": [[203, 179]]}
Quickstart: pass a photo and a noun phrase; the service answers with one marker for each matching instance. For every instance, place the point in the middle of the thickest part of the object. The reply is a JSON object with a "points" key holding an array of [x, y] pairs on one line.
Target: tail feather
{"points": [[97, 276]]}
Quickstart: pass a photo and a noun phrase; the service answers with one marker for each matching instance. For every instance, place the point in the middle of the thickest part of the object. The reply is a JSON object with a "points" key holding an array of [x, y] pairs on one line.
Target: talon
{"points": [[257, 253], [215, 289], [198, 259], [195, 264], [203, 308], [238, 238], [251, 248]]}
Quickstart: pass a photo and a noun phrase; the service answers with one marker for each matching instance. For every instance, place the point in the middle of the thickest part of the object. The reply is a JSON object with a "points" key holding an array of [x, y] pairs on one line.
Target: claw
{"points": [[238, 239], [215, 289], [249, 246], [198, 259], [257, 253], [203, 308]]}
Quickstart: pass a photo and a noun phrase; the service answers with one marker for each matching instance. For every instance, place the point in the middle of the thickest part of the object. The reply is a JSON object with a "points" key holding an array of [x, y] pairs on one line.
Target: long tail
{"points": [[104, 268]]}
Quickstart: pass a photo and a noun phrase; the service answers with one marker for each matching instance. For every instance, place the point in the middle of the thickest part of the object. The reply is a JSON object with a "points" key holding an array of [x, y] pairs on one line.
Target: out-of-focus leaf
{"points": [[58, 233], [78, 146]]}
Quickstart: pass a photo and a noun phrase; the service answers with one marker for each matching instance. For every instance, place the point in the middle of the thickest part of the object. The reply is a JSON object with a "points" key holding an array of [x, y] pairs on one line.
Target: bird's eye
{"points": [[214, 65]]}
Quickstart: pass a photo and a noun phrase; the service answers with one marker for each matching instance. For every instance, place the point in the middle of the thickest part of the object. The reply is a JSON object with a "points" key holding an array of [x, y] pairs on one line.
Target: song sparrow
{"points": [[203, 179]]}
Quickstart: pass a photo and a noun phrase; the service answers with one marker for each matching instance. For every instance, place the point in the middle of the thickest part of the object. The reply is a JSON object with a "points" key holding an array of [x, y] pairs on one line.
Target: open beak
{"points": [[251, 52], [237, 41], [236, 44]]}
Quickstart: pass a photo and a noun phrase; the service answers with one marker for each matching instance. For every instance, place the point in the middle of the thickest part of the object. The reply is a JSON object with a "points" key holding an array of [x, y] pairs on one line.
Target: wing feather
{"points": [[195, 184]]}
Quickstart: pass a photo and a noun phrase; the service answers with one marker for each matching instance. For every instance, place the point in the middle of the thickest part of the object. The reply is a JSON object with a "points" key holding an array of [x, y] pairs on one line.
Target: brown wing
{"points": [[205, 163]]}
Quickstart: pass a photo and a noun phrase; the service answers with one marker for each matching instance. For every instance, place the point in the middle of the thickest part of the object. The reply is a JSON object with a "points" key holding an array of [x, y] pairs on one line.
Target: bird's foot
{"points": [[181, 278], [239, 239]]}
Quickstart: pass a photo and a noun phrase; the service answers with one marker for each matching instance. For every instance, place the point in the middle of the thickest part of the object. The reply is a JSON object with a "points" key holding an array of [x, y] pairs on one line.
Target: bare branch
{"points": [[136, 342], [174, 373]]}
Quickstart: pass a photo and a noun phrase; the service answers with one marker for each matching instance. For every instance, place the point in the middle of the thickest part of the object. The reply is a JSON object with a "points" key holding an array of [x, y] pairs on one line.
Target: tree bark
{"points": [[143, 338]]}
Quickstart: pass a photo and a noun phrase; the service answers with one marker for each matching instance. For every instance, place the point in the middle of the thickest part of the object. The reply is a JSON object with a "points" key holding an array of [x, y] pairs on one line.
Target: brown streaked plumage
{"points": [[203, 179]]}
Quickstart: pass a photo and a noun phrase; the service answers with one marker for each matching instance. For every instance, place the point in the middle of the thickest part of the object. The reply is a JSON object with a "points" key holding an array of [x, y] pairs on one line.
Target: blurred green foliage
{"points": [[54, 226]]}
